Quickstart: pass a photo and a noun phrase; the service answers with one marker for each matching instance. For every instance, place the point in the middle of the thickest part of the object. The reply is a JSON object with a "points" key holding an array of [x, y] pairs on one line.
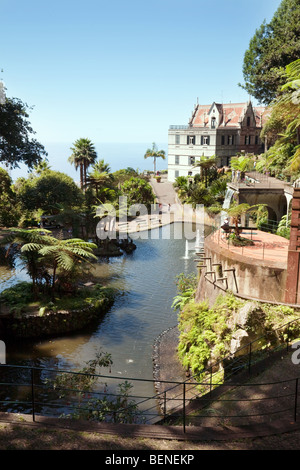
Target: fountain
{"points": [[199, 240], [186, 256]]}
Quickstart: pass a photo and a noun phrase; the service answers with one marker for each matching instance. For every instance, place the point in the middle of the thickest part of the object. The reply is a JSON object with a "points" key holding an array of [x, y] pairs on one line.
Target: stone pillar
{"points": [[292, 291]]}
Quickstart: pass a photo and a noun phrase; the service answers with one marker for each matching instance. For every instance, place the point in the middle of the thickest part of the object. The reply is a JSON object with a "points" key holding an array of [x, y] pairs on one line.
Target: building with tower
{"points": [[220, 130]]}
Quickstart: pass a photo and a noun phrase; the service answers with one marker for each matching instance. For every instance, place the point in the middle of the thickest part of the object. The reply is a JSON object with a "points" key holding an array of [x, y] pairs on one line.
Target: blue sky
{"points": [[123, 71]]}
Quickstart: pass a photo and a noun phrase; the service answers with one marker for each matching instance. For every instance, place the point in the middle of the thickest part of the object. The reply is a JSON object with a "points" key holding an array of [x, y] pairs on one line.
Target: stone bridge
{"points": [[257, 188]]}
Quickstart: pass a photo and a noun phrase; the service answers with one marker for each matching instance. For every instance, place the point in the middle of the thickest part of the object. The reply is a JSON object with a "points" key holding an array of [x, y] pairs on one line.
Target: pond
{"points": [[146, 280]]}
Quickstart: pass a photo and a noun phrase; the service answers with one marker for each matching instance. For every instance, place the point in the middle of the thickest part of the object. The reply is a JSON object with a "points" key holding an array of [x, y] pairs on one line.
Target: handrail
{"points": [[180, 399]]}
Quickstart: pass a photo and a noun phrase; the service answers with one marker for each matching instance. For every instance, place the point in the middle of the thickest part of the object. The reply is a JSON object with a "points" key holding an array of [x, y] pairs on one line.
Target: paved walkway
{"points": [[168, 210], [191, 433], [267, 246]]}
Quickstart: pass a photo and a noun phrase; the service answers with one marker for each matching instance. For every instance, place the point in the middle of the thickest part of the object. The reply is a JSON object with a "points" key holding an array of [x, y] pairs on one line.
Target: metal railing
{"points": [[26, 389], [259, 249]]}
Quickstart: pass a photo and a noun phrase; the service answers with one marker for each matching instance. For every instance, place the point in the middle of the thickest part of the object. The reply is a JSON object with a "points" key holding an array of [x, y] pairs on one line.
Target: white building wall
{"points": [[185, 151]]}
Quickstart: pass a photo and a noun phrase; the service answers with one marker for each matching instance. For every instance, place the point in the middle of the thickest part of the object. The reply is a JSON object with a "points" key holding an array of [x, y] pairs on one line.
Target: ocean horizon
{"points": [[117, 155]]}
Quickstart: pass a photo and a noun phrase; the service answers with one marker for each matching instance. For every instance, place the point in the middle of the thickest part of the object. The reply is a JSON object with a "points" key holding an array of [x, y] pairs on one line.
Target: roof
{"points": [[229, 114]]}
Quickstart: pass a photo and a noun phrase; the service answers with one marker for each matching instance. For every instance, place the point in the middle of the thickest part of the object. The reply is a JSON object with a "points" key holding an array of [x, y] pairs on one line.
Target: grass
{"points": [[19, 299]]}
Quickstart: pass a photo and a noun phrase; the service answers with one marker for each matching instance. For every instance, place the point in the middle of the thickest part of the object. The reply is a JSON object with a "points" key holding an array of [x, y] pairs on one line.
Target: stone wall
{"points": [[52, 323], [248, 278]]}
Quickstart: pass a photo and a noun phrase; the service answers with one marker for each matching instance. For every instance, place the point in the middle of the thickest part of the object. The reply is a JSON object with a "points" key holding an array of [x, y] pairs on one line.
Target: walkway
{"points": [[267, 246], [168, 210]]}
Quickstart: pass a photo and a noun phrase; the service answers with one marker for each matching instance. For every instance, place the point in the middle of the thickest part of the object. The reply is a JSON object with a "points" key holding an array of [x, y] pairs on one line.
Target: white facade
{"points": [[215, 130]]}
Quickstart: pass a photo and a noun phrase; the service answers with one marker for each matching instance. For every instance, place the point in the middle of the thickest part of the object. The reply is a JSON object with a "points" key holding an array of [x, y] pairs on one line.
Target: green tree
{"points": [[138, 191], [48, 258], [237, 211], [101, 166], [16, 142], [83, 155], [50, 191], [208, 169], [271, 49], [102, 183], [40, 167], [282, 129], [9, 208], [154, 153], [241, 163], [20, 237]]}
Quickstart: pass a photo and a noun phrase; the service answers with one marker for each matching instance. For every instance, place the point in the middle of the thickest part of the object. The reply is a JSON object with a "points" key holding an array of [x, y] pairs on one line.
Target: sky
{"points": [[123, 71]]}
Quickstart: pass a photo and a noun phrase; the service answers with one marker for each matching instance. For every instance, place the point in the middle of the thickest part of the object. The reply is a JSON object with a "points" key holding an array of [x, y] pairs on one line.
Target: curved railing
{"points": [[26, 389]]}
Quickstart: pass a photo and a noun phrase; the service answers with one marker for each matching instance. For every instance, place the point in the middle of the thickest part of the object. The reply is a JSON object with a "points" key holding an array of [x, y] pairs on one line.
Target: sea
{"points": [[117, 155]]}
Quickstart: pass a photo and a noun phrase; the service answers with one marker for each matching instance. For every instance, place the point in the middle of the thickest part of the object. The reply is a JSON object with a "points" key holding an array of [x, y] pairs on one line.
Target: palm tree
{"points": [[48, 255], [84, 155], [155, 153], [205, 164], [237, 211], [42, 166], [101, 166], [65, 256], [32, 238], [99, 179]]}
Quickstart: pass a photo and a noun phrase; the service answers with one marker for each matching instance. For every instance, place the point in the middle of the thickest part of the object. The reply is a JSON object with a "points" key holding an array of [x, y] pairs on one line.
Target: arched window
{"points": [[213, 123]]}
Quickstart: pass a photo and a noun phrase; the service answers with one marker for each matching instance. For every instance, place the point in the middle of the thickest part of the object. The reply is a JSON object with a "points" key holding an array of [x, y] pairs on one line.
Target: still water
{"points": [[146, 281]]}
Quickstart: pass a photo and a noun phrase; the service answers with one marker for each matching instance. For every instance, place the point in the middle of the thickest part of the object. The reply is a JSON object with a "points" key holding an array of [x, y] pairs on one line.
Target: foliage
{"points": [[138, 191], [51, 263], [19, 298], [207, 188], [284, 227], [79, 386], [186, 281], [204, 332], [283, 127], [208, 169], [236, 211], [50, 191], [186, 287], [10, 211], [83, 155], [16, 144], [155, 153], [241, 163], [273, 46]]}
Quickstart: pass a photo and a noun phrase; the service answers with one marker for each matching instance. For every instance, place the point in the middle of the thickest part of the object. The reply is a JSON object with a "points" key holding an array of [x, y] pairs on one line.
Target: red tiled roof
{"points": [[230, 113]]}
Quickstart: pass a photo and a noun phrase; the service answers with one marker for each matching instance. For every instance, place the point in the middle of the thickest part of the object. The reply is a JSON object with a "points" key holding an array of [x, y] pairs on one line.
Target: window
{"points": [[230, 140], [176, 159], [247, 139], [205, 140], [177, 139], [213, 123], [222, 139], [248, 121], [191, 160], [176, 173], [256, 140], [191, 140]]}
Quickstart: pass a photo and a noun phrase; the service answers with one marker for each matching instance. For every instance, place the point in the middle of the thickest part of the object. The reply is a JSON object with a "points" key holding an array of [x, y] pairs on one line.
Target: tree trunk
{"points": [[81, 175], [53, 279]]}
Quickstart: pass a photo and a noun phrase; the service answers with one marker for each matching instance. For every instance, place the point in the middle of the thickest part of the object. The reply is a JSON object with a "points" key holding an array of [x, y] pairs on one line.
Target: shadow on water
{"points": [[146, 281]]}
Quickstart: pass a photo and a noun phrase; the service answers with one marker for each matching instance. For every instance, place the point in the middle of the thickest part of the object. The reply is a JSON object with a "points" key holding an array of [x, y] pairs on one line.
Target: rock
{"points": [[245, 314], [239, 340]]}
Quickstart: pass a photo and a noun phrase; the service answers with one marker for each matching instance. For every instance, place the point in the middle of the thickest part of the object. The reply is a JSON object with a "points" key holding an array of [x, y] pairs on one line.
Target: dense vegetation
{"points": [[208, 333], [271, 49]]}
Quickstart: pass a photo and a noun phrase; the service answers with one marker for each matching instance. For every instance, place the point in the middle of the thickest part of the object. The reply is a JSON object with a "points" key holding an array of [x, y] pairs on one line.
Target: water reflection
{"points": [[146, 279]]}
